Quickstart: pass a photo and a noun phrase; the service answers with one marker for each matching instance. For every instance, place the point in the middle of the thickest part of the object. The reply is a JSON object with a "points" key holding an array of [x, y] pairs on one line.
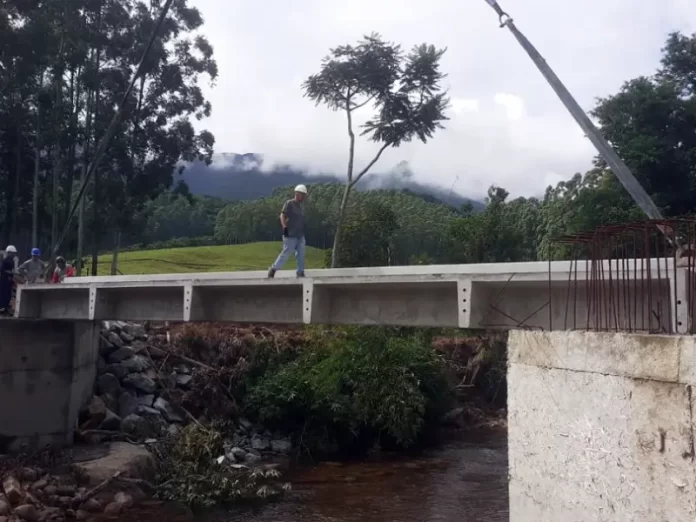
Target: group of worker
{"points": [[33, 270]]}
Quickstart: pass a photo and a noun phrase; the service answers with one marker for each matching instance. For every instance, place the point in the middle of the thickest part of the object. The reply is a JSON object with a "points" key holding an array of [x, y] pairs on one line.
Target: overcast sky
{"points": [[507, 127]]}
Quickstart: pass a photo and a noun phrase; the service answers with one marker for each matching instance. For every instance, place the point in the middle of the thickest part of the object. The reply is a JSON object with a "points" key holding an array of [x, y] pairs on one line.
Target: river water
{"points": [[463, 480]]}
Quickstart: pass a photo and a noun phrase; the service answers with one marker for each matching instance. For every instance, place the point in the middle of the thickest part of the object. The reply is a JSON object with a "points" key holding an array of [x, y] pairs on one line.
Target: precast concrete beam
{"points": [[505, 295]]}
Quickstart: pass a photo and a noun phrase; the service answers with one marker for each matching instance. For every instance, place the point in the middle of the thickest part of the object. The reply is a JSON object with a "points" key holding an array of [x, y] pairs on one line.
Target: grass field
{"points": [[226, 258]]}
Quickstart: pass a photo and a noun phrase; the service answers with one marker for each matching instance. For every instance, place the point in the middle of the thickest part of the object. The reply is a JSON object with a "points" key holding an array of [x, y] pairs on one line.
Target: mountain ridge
{"points": [[237, 177]]}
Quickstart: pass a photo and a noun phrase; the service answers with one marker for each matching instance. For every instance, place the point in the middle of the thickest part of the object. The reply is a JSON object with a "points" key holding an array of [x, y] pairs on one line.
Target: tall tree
{"points": [[404, 92]]}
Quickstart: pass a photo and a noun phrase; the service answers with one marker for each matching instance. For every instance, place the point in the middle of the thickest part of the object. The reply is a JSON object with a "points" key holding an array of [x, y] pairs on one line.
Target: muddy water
{"points": [[463, 481]]}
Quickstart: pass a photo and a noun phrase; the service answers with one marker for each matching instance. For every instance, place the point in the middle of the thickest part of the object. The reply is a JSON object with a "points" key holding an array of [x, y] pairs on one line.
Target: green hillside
{"points": [[226, 258]]}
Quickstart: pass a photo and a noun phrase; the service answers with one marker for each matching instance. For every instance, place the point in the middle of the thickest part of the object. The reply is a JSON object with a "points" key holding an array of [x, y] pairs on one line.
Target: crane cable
{"points": [[620, 169], [111, 129]]}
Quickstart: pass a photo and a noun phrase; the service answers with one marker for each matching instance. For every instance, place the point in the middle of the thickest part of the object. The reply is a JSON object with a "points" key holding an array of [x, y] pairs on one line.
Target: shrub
{"points": [[369, 383], [190, 471]]}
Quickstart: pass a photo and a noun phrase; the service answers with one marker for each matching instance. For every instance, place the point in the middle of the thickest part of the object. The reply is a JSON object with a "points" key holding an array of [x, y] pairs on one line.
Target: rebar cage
{"points": [[634, 277]]}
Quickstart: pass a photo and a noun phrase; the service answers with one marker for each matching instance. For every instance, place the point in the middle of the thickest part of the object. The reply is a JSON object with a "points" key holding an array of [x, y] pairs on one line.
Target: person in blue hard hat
{"points": [[33, 270]]}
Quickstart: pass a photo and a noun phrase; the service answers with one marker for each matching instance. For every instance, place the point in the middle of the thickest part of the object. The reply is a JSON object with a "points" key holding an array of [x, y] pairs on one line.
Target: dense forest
{"points": [[651, 122], [64, 68], [64, 65]]}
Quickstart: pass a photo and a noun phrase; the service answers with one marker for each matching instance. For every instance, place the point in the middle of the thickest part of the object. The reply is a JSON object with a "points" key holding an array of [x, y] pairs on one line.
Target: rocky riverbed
{"points": [[164, 399]]}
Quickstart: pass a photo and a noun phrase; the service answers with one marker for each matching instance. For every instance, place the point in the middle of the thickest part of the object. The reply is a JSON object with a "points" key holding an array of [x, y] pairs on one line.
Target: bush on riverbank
{"points": [[353, 389], [193, 468]]}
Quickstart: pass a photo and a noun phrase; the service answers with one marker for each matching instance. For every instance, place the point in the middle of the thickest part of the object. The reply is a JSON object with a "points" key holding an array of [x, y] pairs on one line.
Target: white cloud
{"points": [[460, 105], [507, 127], [513, 105]]}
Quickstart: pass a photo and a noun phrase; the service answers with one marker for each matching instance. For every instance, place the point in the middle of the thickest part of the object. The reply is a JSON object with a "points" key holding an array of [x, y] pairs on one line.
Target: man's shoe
{"points": [[300, 274], [271, 272]]}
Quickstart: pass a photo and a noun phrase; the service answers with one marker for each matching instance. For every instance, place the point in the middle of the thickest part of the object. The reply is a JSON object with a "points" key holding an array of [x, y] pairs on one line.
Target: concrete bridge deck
{"points": [[501, 295]]}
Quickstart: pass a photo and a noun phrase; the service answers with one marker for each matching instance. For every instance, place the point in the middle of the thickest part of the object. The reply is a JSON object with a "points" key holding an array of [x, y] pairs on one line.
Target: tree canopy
{"points": [[403, 90]]}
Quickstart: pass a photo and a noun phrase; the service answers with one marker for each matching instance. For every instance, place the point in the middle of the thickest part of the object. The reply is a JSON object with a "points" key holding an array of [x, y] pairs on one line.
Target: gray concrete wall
{"points": [[601, 427], [47, 372]]}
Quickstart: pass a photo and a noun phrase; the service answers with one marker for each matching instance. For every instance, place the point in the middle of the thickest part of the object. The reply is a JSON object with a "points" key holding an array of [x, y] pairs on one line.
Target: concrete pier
{"points": [[47, 372], [601, 427]]}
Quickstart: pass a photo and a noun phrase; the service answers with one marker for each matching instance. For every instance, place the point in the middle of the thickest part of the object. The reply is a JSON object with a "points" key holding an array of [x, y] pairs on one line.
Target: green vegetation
{"points": [[65, 68], [403, 91], [187, 471], [224, 258], [351, 390]]}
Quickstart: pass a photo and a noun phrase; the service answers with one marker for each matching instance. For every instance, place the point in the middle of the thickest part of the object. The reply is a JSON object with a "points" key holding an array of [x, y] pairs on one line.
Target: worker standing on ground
{"points": [[33, 270], [8, 269], [292, 221], [62, 270]]}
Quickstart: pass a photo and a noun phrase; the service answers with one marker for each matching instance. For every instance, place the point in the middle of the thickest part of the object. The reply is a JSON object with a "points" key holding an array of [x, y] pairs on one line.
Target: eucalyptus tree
{"points": [[403, 91]]}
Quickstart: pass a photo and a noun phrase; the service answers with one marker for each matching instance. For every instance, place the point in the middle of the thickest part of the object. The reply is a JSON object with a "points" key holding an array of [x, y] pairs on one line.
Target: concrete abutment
{"points": [[47, 372], [601, 427]]}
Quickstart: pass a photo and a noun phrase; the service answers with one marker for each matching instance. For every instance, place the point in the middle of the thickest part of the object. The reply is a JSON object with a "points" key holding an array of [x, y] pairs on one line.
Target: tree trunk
{"points": [[18, 175], [95, 222], [35, 193], [54, 201], [114, 257], [80, 227], [339, 226]]}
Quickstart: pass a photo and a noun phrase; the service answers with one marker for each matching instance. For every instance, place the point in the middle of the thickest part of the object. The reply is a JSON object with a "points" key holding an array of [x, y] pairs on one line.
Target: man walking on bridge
{"points": [[292, 221]]}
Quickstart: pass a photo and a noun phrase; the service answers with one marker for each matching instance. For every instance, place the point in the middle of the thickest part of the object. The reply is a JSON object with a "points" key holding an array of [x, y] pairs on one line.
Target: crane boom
{"points": [[620, 169]]}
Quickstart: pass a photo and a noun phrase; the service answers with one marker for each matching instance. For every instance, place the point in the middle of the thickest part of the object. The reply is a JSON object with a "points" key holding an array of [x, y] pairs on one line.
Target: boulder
{"points": [[130, 460], [66, 490], [124, 499], [13, 490], [101, 365], [140, 382], [132, 424], [81, 514], [94, 414], [4, 506], [167, 410], [106, 347], [128, 338], [39, 484], [113, 509], [123, 353], [115, 339], [27, 512], [139, 346], [137, 363], [281, 445], [112, 422], [118, 369], [251, 458], [156, 353], [238, 453], [52, 514], [91, 505], [146, 400], [245, 424], [260, 443], [146, 411], [136, 330], [127, 404], [108, 383], [182, 380]]}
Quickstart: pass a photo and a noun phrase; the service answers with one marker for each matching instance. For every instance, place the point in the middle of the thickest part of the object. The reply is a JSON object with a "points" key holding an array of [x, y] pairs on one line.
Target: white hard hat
{"points": [[301, 188], [11, 249]]}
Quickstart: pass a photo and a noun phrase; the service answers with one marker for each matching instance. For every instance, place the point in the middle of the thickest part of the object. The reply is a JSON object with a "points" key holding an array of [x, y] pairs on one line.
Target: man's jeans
{"points": [[291, 245]]}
